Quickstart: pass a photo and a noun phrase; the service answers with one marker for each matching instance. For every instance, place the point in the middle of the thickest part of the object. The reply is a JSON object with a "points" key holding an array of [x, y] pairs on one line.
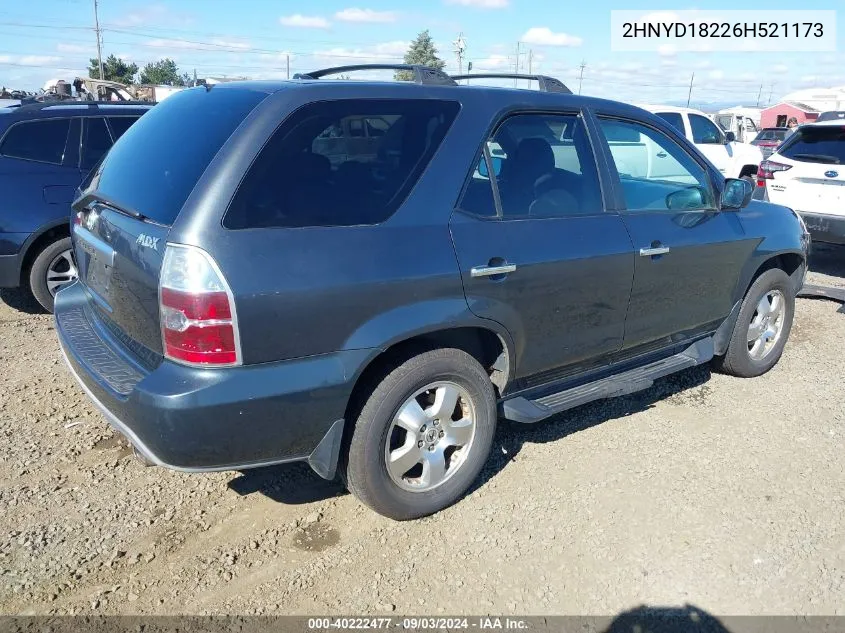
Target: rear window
{"points": [[822, 144], [341, 163], [42, 141], [157, 162]]}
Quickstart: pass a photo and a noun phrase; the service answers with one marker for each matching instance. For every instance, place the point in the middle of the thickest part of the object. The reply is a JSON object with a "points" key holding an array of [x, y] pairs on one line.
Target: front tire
{"points": [[423, 435], [762, 326], [52, 269]]}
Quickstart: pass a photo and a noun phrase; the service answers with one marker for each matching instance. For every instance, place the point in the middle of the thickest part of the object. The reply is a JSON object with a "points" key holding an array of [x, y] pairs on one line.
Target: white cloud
{"points": [[38, 60], [481, 4], [221, 45], [160, 43], [366, 16], [234, 44], [72, 48], [386, 51], [716, 74], [544, 36], [492, 62], [304, 21], [153, 14], [780, 68], [666, 50]]}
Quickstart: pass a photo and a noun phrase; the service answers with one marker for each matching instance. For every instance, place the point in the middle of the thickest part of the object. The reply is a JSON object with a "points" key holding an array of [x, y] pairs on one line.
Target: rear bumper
{"points": [[825, 228], [200, 420]]}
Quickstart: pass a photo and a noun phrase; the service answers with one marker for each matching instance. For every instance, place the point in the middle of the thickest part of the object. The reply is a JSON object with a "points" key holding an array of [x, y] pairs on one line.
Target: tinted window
{"points": [[155, 165], [674, 119], [656, 173], [320, 169], [822, 144], [42, 141], [704, 131], [96, 143], [119, 125], [543, 167]]}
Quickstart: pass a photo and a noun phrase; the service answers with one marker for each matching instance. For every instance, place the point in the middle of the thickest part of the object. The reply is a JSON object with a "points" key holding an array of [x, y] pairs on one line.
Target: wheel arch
{"points": [[38, 241]]}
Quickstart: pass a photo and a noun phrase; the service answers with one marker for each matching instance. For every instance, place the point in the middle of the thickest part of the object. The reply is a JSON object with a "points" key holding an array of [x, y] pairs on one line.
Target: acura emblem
{"points": [[831, 174]]}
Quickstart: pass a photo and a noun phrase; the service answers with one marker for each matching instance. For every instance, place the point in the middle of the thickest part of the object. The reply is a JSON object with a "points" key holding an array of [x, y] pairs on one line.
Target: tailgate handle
{"points": [[105, 253]]}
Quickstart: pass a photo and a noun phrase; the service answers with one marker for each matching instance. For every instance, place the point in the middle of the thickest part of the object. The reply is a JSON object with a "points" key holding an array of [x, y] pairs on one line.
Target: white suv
{"points": [[732, 159], [807, 173]]}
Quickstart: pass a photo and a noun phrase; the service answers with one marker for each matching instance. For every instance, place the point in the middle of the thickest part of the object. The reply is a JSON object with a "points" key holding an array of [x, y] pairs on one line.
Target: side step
{"points": [[521, 409]]}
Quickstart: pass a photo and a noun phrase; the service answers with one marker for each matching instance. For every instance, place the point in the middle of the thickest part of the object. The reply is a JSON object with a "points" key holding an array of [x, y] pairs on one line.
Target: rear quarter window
{"points": [[324, 166], [41, 141], [822, 144], [156, 163]]}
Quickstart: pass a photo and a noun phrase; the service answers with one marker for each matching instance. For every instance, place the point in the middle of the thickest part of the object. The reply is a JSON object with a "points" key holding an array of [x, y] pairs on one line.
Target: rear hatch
{"points": [[129, 202], [815, 178]]}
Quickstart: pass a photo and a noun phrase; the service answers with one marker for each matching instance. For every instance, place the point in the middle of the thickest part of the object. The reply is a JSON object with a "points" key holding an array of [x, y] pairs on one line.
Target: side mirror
{"points": [[689, 199], [730, 137], [737, 194], [497, 166]]}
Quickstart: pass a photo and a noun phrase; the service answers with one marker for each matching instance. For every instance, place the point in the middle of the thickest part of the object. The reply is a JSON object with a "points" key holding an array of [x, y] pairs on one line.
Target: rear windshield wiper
{"points": [[817, 158]]}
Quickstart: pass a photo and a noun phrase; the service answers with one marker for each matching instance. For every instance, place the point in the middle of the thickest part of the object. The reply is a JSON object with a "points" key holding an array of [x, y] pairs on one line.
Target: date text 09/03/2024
{"points": [[418, 623]]}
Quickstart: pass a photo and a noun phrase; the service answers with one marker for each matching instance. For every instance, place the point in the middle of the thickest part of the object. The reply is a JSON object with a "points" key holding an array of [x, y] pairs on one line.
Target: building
{"points": [[780, 114], [822, 99]]}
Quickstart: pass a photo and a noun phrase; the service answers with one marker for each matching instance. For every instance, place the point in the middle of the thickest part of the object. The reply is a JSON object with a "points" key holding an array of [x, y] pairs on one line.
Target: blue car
{"points": [[45, 151]]}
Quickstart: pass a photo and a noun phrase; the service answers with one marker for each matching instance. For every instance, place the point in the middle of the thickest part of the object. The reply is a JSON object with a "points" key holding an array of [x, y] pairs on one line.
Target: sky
{"points": [[48, 39]]}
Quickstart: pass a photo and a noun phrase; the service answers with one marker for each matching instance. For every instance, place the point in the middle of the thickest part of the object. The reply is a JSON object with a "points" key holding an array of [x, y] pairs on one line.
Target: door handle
{"points": [[662, 154], [651, 252], [490, 271]]}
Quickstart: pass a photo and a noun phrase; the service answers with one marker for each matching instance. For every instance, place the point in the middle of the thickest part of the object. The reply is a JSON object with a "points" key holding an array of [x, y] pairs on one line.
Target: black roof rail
{"points": [[65, 103], [547, 84], [422, 74]]}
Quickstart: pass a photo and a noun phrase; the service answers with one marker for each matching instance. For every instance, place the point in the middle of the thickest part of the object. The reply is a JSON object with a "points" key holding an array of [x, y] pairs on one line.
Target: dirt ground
{"points": [[724, 493]]}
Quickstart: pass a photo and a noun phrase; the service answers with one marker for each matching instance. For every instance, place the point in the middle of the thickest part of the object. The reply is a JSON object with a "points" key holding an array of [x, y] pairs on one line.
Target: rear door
{"points": [[689, 254], [815, 180], [38, 166], [537, 251]]}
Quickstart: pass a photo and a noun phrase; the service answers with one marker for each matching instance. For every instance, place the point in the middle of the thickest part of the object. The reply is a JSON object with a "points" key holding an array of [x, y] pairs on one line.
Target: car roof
{"points": [[54, 109], [668, 108], [831, 122]]}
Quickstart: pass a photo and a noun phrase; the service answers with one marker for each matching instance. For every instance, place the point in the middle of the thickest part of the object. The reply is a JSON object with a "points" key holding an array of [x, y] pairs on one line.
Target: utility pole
{"points": [[287, 58], [689, 94], [771, 91], [516, 63], [759, 94], [581, 75], [99, 43], [460, 46]]}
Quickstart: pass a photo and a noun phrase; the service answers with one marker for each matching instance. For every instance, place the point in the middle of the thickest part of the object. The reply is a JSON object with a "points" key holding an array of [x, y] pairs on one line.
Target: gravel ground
{"points": [[707, 490]]}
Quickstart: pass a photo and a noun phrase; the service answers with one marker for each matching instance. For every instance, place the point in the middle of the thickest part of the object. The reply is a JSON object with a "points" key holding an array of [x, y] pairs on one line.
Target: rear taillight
{"points": [[198, 321], [766, 171]]}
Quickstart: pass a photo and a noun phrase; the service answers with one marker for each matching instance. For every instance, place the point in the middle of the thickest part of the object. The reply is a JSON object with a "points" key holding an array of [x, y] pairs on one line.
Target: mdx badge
{"points": [[147, 241]]}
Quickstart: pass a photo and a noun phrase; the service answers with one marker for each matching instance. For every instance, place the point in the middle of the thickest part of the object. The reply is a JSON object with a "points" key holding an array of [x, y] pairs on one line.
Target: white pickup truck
{"points": [[732, 159]]}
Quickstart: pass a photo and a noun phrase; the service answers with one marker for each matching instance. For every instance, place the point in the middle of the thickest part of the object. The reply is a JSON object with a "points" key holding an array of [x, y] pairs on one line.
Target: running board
{"points": [[521, 409]]}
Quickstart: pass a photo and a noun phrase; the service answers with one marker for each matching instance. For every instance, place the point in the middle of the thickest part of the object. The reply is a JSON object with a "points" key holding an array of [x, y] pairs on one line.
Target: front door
{"points": [[689, 254], [537, 251]]}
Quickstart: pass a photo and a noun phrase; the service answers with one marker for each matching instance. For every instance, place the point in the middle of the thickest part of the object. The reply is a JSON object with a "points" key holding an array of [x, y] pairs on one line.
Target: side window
{"points": [[96, 142], [704, 131], [119, 125], [750, 126], [42, 141], [306, 176], [655, 172], [543, 168], [674, 119]]}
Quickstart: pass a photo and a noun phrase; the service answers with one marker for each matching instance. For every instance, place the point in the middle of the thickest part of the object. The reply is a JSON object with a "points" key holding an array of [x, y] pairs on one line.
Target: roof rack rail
{"points": [[422, 74], [71, 103], [547, 84]]}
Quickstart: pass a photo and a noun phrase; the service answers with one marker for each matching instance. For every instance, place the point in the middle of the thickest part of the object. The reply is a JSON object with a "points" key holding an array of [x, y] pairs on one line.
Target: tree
{"points": [[163, 73], [114, 69], [422, 51]]}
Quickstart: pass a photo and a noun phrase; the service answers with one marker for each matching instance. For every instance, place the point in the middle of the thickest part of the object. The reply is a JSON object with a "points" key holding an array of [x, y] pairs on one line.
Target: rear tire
{"points": [[52, 269], [762, 327], [447, 398]]}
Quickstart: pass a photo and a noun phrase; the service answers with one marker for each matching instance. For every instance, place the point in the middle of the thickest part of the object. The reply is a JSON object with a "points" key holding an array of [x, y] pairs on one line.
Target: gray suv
{"points": [[262, 282]]}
